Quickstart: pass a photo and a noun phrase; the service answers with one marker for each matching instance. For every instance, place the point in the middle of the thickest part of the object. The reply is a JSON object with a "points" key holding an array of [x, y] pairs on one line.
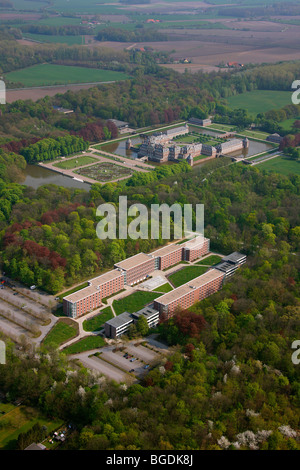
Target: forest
{"points": [[229, 382]]}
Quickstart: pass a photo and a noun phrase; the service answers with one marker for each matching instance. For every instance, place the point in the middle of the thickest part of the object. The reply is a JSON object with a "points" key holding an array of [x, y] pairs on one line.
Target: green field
{"points": [[75, 162], [85, 344], [49, 74], [134, 302], [287, 124], [260, 101], [70, 40], [96, 323], [210, 260], [61, 332], [282, 165], [186, 274]]}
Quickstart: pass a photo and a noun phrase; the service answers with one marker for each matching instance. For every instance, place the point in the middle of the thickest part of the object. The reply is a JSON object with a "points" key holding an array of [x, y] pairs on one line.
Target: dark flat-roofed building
{"points": [[229, 264], [120, 325]]}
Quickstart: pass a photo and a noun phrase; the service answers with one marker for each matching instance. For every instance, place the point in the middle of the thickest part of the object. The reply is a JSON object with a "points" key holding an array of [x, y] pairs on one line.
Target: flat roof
{"points": [[225, 266], [127, 317], [94, 283], [134, 261], [199, 281], [195, 242], [120, 320], [165, 250], [235, 257]]}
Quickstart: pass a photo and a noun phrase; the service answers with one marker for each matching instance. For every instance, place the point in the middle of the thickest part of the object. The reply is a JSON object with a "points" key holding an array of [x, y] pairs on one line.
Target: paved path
{"points": [[127, 163]]}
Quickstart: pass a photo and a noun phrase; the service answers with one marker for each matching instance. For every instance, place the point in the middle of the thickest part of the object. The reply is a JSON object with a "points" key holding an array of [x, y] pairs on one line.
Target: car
{"points": [[131, 370], [133, 359], [32, 287], [146, 366], [15, 293]]}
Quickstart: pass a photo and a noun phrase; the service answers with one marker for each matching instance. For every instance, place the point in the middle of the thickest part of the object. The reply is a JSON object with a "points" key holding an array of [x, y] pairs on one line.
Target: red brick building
{"points": [[136, 268], [195, 248], [89, 298], [188, 294], [168, 256]]}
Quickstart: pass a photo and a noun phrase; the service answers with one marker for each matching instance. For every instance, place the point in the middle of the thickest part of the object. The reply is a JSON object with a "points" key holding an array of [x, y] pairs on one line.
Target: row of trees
{"points": [[138, 35], [49, 149]]}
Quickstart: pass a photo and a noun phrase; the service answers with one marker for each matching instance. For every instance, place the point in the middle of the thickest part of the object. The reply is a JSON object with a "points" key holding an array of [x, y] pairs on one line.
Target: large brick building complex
{"points": [[130, 272]]}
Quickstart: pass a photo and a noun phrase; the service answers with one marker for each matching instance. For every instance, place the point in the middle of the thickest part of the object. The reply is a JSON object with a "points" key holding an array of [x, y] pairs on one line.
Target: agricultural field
{"points": [[75, 162], [282, 165], [186, 274], [53, 39], [260, 101], [49, 74], [134, 302], [105, 172]]}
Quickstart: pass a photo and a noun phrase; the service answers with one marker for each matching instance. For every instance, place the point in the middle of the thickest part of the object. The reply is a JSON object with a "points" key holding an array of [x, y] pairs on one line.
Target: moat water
{"points": [[35, 175]]}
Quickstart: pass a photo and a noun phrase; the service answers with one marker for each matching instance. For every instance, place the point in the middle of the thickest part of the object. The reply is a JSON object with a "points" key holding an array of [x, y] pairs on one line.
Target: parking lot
{"points": [[23, 314], [123, 362]]}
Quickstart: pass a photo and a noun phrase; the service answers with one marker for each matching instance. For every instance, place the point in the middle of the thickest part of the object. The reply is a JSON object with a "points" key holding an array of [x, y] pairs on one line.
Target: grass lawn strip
{"points": [[75, 162], [85, 344], [64, 330], [186, 274], [134, 302], [96, 323]]}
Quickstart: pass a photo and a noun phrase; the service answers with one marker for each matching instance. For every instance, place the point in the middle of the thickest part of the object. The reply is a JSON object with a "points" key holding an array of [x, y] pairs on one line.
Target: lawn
{"points": [[134, 302], [62, 331], [210, 260], [164, 288], [186, 274], [21, 419], [96, 323], [282, 165], [75, 162], [222, 127], [85, 344], [49, 74], [287, 124], [255, 134], [259, 101], [105, 171]]}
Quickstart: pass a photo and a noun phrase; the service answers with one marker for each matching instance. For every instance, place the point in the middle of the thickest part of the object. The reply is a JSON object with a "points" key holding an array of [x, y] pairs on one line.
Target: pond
{"points": [[35, 176]]}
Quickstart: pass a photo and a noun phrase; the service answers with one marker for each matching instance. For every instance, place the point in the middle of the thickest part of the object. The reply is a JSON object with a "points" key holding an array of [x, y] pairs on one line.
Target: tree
{"points": [[142, 326]]}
